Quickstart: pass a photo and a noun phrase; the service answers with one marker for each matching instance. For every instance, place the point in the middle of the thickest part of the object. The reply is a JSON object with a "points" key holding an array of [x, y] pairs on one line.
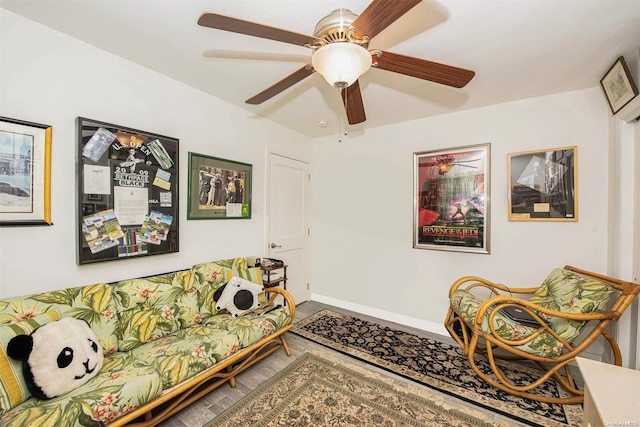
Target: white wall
{"points": [[47, 77], [363, 199]]}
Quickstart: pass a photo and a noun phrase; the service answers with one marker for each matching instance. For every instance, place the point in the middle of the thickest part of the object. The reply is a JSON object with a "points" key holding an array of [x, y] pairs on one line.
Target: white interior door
{"points": [[288, 228]]}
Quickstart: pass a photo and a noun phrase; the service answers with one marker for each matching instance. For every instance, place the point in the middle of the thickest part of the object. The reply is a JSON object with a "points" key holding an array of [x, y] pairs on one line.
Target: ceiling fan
{"points": [[340, 52]]}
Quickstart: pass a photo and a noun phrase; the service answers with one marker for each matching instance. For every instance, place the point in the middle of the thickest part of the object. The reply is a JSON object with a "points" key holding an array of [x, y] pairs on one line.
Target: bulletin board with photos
{"points": [[127, 192]]}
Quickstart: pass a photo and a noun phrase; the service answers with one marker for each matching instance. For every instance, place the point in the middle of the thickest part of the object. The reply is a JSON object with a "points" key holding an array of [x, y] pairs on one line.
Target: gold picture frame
{"points": [[25, 173], [543, 184], [618, 85]]}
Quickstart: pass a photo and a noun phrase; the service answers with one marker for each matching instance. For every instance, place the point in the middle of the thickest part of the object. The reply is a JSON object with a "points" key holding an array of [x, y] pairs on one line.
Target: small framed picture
{"points": [[543, 185], [618, 85], [218, 188], [25, 173]]}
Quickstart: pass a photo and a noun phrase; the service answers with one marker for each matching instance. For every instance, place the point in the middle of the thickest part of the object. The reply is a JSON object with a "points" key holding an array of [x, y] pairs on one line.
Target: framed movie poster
{"points": [[451, 199], [127, 192], [543, 185], [25, 173], [218, 188]]}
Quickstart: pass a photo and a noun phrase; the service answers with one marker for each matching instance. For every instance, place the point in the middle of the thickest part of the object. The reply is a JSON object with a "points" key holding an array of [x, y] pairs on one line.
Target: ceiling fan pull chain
{"points": [[342, 131]]}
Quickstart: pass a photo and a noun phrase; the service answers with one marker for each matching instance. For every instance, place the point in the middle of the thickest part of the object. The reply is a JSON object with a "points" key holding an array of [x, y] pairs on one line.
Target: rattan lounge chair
{"points": [[568, 299]]}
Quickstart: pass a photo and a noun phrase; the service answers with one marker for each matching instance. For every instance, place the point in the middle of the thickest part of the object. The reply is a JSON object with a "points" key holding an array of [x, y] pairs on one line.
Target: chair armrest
{"points": [[497, 302], [471, 282]]}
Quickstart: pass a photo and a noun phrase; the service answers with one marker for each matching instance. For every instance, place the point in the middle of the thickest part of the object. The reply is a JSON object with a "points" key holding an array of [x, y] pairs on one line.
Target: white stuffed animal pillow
{"points": [[238, 296], [57, 357]]}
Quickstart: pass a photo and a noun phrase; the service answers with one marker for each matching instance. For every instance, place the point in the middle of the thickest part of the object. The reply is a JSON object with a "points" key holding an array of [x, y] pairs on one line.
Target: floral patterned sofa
{"points": [[165, 345]]}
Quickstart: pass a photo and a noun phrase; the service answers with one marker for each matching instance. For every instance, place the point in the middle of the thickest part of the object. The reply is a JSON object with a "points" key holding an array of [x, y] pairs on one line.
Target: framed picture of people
{"points": [[218, 188], [451, 199], [543, 185], [127, 192]]}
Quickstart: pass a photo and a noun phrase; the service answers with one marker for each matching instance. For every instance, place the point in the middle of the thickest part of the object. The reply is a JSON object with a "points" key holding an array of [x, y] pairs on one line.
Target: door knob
{"points": [[273, 246]]}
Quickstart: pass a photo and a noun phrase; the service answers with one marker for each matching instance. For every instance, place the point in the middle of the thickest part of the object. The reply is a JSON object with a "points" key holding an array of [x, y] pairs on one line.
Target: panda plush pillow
{"points": [[57, 357], [238, 296]]}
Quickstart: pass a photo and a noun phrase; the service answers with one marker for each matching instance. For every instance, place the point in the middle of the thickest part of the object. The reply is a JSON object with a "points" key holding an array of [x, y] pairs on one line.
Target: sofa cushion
{"points": [[122, 385], [13, 388], [93, 303], [210, 276], [187, 352], [251, 328], [155, 306]]}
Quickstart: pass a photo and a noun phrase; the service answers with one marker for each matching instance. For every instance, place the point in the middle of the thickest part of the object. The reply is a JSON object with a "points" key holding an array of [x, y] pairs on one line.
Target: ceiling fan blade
{"points": [[283, 84], [379, 15], [423, 69], [227, 23], [352, 98]]}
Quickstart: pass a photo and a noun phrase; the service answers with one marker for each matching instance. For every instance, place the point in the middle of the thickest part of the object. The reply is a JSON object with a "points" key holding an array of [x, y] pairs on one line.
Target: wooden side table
{"points": [[268, 271], [611, 394]]}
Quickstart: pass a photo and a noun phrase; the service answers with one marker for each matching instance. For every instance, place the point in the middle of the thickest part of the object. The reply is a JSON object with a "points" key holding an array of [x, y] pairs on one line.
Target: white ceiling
{"points": [[518, 49]]}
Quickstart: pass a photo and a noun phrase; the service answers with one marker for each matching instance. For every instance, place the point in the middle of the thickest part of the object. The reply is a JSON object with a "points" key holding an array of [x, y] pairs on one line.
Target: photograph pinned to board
{"points": [[543, 184], [618, 85], [451, 199], [218, 188], [132, 175], [25, 173]]}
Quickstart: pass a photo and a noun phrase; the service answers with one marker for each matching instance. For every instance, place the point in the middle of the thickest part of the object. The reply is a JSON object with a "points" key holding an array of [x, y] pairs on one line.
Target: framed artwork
{"points": [[543, 185], [451, 199], [218, 188], [25, 173], [127, 192], [618, 85]]}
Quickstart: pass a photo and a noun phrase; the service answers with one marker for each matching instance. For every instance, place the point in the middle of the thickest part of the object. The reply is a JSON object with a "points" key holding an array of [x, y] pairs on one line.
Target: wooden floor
{"points": [[220, 399]]}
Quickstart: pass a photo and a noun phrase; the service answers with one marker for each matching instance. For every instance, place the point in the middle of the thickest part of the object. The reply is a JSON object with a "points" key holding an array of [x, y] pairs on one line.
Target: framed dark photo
{"points": [[618, 85], [25, 173], [218, 188], [543, 185], [127, 192], [451, 199]]}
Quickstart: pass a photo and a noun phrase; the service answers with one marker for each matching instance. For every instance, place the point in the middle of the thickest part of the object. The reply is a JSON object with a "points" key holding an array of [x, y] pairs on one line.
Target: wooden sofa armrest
{"points": [[289, 302]]}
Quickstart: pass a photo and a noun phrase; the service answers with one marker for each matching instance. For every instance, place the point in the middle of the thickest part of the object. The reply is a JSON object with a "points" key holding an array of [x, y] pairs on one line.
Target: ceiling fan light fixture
{"points": [[341, 63]]}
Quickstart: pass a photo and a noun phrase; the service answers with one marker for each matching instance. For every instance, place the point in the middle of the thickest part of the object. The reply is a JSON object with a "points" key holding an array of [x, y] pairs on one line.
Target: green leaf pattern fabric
{"points": [[156, 332], [155, 306], [562, 290], [122, 385], [93, 303]]}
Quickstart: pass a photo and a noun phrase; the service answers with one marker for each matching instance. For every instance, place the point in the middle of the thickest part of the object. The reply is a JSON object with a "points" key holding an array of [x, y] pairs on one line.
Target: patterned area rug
{"points": [[438, 365], [314, 391]]}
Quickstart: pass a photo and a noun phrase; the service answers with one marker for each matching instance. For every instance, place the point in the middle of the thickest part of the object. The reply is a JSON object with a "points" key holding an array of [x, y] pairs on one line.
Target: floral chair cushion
{"points": [[93, 303], [155, 306], [562, 290], [466, 305], [13, 387], [187, 352], [569, 292], [122, 385]]}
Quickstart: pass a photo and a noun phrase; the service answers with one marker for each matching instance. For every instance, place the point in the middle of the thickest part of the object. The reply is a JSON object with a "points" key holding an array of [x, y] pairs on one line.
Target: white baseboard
{"points": [[424, 325]]}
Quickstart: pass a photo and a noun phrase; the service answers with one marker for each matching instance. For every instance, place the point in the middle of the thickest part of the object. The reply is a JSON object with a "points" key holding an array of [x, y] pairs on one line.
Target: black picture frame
{"points": [[127, 192], [218, 188], [618, 85]]}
